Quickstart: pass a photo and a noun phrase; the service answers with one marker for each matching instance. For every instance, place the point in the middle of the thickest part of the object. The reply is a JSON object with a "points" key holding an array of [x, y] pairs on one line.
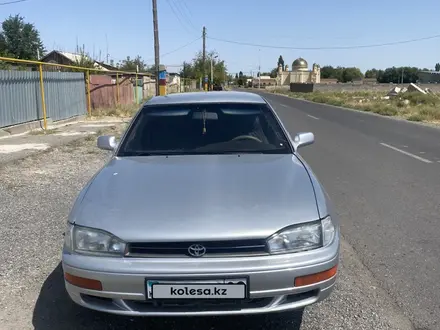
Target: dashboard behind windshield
{"points": [[204, 129]]}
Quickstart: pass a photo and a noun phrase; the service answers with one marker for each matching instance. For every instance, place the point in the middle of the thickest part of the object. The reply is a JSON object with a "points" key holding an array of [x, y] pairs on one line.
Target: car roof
{"points": [[207, 97]]}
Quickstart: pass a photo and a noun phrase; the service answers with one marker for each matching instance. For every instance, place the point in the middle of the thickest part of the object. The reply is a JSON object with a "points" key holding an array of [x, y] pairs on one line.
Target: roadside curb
{"points": [[5, 134], [26, 127], [19, 129], [72, 120]]}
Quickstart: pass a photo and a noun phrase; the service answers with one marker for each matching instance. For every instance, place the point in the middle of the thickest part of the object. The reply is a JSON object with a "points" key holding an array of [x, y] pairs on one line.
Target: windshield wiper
{"points": [[146, 153], [239, 152]]}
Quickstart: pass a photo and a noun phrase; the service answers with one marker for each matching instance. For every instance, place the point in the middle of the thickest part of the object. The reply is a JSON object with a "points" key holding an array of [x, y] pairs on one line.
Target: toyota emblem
{"points": [[197, 250]]}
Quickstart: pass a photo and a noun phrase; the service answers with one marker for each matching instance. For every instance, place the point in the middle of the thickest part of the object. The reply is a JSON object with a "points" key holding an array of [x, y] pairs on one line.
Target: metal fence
{"points": [[20, 96]]}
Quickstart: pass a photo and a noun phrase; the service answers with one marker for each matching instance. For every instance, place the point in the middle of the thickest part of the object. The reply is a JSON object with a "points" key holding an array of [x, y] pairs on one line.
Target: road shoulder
{"points": [[394, 118]]}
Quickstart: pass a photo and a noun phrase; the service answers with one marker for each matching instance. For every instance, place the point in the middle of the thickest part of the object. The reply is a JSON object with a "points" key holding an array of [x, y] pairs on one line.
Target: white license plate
{"points": [[201, 289], [198, 291]]}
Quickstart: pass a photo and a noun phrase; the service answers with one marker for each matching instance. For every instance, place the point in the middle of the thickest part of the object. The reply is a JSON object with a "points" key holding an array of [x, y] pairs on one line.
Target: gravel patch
{"points": [[37, 193], [19, 146]]}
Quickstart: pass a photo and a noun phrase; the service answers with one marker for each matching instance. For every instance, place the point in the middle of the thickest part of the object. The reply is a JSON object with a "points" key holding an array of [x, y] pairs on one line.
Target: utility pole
{"points": [[259, 69], [402, 75], [156, 45], [212, 74], [205, 83], [183, 79], [106, 48], [212, 70]]}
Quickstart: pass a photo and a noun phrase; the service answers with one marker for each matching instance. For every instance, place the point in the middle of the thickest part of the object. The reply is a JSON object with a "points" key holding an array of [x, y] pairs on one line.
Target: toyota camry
{"points": [[205, 207]]}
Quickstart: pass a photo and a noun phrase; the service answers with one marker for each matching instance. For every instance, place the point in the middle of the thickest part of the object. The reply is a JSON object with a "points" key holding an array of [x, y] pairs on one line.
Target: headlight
{"points": [[297, 238], [303, 237], [90, 241]]}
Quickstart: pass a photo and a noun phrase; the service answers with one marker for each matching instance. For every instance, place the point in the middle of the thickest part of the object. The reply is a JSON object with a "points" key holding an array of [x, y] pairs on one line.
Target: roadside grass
{"points": [[412, 106], [89, 142], [41, 131], [118, 111]]}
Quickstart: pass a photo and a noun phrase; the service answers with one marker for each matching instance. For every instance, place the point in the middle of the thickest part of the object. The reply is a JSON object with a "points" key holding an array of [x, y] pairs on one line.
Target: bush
{"points": [[430, 113], [416, 98], [385, 110], [415, 117], [421, 107]]}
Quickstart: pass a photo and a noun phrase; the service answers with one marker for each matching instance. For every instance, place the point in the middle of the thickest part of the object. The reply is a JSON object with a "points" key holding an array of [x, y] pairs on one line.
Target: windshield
{"points": [[204, 129]]}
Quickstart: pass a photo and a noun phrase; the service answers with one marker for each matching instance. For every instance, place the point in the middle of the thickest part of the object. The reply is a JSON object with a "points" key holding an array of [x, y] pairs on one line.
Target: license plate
{"points": [[217, 289]]}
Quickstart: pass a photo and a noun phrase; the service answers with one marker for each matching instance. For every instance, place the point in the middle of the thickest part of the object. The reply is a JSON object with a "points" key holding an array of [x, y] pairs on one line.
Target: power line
{"points": [[327, 48], [177, 16], [185, 5], [181, 47], [161, 55], [11, 2], [181, 6], [177, 49]]}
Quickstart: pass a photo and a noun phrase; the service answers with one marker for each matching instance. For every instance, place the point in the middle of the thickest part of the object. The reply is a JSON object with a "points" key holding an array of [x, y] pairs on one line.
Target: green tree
{"points": [[20, 40], [373, 73], [341, 74], [280, 61], [394, 75], [437, 67], [3, 53], [3, 50], [84, 60], [194, 69], [240, 81], [351, 74], [327, 72], [187, 71], [273, 73], [130, 64]]}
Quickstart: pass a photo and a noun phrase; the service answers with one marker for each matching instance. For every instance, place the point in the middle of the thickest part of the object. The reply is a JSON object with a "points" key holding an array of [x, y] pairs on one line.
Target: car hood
{"points": [[187, 198]]}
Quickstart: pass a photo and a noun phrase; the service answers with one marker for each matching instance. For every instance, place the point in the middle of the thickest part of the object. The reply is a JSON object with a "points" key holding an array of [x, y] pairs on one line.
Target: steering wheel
{"points": [[247, 137]]}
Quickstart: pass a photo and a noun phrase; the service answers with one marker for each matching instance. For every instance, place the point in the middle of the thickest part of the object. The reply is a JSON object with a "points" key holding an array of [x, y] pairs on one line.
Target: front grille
{"points": [[253, 247], [199, 305]]}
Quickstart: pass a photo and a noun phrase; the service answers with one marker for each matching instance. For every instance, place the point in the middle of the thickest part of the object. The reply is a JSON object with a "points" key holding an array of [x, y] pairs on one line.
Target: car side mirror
{"points": [[107, 142], [303, 139]]}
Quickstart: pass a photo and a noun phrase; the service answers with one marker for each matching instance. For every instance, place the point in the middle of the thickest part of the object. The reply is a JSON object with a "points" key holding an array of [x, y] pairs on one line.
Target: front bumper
{"points": [[271, 282]]}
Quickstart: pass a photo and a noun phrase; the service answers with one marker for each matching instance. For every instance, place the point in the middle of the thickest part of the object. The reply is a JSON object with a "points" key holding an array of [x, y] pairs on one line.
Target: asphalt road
{"points": [[384, 178], [386, 201]]}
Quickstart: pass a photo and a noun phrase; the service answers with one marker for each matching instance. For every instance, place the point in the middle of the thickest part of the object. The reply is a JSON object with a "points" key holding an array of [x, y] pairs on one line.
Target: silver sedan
{"points": [[204, 208]]}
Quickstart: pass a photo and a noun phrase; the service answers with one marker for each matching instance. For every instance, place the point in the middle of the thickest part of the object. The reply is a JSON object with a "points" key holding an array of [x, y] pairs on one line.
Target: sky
{"points": [[125, 28]]}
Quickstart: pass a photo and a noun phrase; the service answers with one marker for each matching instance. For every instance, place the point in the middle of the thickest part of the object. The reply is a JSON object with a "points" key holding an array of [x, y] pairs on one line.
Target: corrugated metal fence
{"points": [[20, 97]]}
